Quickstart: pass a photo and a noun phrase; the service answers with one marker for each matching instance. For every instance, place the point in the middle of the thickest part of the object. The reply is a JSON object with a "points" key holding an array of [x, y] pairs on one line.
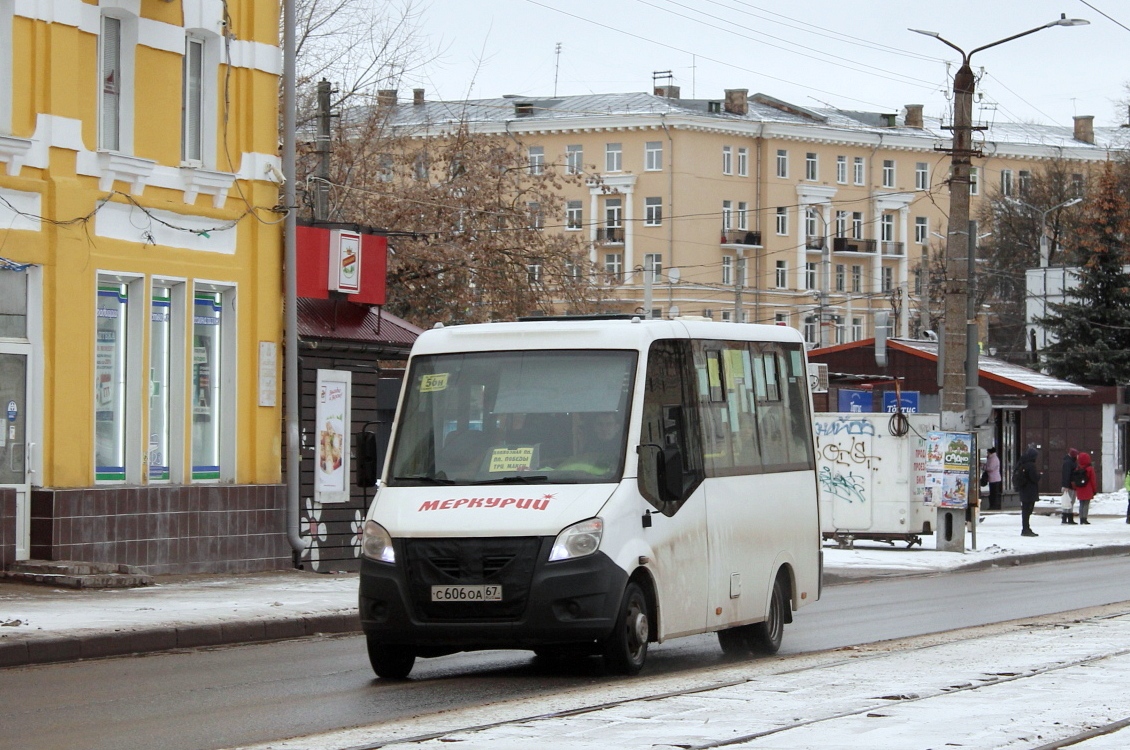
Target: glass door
{"points": [[14, 436]]}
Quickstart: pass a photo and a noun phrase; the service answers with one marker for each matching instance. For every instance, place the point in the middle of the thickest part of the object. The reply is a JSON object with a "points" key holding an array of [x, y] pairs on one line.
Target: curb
{"points": [[97, 644], [860, 575]]}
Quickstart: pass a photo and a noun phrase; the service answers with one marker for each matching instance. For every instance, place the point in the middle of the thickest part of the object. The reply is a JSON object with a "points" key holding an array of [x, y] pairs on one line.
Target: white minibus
{"points": [[590, 486]]}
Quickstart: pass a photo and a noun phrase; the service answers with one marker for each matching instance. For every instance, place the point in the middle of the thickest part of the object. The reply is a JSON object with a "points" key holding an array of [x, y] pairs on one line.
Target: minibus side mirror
{"points": [[367, 459]]}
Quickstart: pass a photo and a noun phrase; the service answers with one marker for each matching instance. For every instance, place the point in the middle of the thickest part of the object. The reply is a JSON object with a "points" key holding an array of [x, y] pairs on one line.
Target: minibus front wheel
{"points": [[389, 661], [625, 649]]}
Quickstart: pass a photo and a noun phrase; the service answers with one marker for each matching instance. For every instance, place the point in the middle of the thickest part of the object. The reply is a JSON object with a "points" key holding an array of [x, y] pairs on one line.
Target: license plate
{"points": [[485, 593]]}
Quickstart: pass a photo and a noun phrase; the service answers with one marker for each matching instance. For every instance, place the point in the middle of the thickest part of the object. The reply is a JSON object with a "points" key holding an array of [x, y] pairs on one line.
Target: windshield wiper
{"points": [[516, 479], [424, 479]]}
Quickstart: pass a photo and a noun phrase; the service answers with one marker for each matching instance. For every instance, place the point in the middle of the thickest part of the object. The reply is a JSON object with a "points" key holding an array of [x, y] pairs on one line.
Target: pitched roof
{"points": [[345, 321], [1021, 378], [563, 111]]}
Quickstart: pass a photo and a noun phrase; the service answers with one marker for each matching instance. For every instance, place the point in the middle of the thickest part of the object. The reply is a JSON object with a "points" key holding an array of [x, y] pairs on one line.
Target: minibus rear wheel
{"points": [[389, 662], [625, 650]]}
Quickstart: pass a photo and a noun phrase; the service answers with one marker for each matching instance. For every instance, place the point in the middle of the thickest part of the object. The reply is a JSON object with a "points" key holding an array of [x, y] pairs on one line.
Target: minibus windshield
{"points": [[514, 417]]}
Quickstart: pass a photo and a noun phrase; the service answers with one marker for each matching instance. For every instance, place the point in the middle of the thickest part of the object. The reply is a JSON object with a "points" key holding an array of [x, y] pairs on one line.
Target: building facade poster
{"points": [[332, 421], [948, 464]]}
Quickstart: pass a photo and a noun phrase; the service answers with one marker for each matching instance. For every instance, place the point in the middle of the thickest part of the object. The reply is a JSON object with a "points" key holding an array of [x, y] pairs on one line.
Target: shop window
{"points": [[116, 351], [212, 387], [166, 382]]}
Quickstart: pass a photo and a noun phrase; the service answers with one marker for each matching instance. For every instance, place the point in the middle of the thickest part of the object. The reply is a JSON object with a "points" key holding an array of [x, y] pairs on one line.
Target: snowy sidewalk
{"points": [[39, 624]]}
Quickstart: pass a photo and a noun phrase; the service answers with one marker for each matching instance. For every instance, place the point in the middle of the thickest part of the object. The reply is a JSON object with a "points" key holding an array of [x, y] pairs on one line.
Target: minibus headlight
{"points": [[376, 544], [578, 540]]}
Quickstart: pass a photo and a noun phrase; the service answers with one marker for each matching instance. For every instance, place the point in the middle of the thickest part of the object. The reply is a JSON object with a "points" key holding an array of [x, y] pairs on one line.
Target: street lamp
{"points": [[961, 340], [1045, 250]]}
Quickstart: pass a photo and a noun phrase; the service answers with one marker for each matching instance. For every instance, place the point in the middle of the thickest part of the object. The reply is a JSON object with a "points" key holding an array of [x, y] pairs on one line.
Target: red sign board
{"points": [[365, 287]]}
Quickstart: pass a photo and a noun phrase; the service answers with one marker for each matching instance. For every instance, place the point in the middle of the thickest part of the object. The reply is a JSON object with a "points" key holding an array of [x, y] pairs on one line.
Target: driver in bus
{"points": [[600, 437]]}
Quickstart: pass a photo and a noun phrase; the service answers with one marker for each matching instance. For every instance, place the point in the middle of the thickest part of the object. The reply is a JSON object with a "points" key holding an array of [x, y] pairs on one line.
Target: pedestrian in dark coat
{"points": [[1067, 500], [1029, 489], [1085, 491]]}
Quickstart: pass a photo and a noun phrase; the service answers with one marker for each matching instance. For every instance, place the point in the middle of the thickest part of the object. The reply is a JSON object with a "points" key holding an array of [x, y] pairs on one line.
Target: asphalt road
{"points": [[213, 698]]}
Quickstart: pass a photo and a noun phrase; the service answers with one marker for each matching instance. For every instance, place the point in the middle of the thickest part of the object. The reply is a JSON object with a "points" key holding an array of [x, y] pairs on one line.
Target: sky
{"points": [[848, 55]]}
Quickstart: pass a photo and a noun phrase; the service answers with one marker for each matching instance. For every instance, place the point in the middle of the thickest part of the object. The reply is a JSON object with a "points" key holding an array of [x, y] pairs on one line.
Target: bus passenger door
{"points": [[677, 535]]}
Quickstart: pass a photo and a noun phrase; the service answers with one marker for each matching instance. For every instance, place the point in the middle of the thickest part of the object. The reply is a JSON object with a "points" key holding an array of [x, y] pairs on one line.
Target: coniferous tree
{"points": [[1092, 327]]}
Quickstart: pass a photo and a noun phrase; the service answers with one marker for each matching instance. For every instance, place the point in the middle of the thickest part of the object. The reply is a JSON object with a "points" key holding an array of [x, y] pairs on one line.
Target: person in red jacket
{"points": [[1085, 491]]}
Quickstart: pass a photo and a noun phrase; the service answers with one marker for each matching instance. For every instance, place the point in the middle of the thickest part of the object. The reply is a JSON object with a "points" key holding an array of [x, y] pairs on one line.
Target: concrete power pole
{"points": [[324, 148]]}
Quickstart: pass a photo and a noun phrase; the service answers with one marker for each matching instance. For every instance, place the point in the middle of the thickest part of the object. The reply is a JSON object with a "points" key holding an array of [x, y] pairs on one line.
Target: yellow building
{"points": [[140, 305], [752, 209]]}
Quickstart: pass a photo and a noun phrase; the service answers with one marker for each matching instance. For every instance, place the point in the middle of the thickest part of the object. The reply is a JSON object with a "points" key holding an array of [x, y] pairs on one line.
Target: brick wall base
{"points": [[161, 530]]}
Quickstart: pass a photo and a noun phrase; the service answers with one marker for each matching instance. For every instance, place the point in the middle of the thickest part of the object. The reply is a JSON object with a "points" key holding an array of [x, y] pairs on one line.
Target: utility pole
{"points": [[960, 325], [324, 148]]}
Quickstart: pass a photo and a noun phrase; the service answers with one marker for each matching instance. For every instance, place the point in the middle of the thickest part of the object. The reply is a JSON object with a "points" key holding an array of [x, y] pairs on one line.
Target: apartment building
{"points": [[749, 208], [140, 296]]}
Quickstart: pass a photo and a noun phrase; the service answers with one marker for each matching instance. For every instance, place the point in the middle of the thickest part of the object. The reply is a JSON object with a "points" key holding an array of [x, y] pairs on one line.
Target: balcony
{"points": [[852, 245], [610, 235], [814, 242], [741, 237], [893, 248]]}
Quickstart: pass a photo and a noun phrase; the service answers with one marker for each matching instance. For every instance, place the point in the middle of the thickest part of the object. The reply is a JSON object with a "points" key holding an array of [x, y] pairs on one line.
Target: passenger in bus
{"points": [[600, 444]]}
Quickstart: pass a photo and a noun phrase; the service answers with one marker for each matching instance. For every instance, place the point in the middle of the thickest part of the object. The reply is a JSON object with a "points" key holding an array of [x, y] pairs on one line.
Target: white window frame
{"points": [[888, 278], [809, 329], [118, 139], [810, 228], [743, 215], [125, 378], [921, 176], [727, 216], [841, 223], [921, 229], [857, 279], [614, 266], [857, 225], [574, 216], [728, 270], [782, 269], [537, 218], [888, 173], [782, 163], [781, 318], [974, 181], [811, 166], [856, 328], [1006, 182], [743, 161], [653, 156], [841, 170], [858, 176], [727, 160], [810, 275], [613, 157], [1023, 182], [535, 155], [652, 212], [783, 221], [841, 277], [653, 264], [169, 389], [228, 390], [574, 159], [887, 228]]}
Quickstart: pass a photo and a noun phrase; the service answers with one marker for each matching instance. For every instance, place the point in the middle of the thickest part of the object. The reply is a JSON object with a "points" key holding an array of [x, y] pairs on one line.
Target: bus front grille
{"points": [[505, 561]]}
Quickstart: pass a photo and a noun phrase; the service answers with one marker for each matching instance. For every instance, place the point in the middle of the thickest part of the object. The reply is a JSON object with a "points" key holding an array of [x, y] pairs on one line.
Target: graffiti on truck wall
{"points": [[844, 426], [849, 487], [855, 454]]}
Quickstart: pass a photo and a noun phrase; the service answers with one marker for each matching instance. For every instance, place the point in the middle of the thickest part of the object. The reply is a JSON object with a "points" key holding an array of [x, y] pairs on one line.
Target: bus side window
{"points": [[668, 420]]}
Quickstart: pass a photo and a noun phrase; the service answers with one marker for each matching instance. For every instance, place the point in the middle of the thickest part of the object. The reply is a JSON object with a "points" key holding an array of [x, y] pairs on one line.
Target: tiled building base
{"points": [[174, 529], [7, 526]]}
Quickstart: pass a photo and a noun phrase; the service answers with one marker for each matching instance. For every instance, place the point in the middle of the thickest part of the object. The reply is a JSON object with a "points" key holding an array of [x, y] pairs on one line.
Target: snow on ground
{"points": [[1008, 686], [998, 536]]}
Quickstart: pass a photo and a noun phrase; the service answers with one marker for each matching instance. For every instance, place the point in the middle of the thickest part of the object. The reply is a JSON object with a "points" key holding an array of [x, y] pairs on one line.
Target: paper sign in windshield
{"points": [[511, 459], [436, 382]]}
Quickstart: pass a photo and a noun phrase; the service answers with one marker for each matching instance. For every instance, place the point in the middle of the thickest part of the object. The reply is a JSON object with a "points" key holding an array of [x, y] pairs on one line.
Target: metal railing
{"points": [[741, 237], [852, 245]]}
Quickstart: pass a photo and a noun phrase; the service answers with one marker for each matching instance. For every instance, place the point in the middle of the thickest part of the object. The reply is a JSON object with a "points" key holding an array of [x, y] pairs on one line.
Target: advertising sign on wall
{"points": [[855, 402], [908, 400], [948, 462], [331, 433]]}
